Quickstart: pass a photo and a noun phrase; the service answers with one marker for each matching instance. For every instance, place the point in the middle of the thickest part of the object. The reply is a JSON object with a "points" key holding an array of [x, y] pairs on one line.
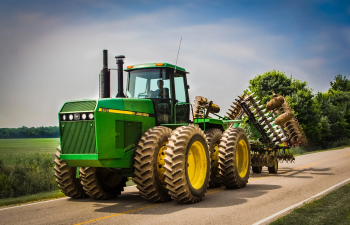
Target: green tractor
{"points": [[147, 134], [170, 148]]}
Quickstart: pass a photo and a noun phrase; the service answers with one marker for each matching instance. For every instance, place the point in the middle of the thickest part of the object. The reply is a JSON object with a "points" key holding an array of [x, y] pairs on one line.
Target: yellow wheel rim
{"points": [[276, 166], [242, 158], [215, 160], [161, 163], [196, 165]]}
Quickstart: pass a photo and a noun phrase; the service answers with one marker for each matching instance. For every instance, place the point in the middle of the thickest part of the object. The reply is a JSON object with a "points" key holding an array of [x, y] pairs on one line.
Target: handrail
{"points": [[200, 118]]}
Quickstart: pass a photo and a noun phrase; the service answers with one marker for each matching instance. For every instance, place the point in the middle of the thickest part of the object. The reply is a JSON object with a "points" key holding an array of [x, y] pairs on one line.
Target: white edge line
{"points": [[301, 203], [34, 203], [47, 201]]}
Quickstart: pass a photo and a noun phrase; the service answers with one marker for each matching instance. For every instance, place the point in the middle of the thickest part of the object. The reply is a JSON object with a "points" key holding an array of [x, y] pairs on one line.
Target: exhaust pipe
{"points": [[105, 78], [120, 62]]}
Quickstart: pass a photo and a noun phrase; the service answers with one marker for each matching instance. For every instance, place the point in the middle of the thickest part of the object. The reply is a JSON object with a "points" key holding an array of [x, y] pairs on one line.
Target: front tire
{"points": [[149, 164], [101, 183], [187, 164], [234, 158], [66, 178]]}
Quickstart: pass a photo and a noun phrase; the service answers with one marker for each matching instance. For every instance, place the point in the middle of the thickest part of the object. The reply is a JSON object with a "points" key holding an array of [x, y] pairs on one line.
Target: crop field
{"points": [[30, 145], [26, 166], [26, 170]]}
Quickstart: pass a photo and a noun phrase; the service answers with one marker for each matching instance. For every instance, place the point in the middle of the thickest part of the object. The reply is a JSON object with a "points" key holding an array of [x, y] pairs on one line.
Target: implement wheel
{"points": [[234, 158], [274, 168], [187, 164], [101, 183], [66, 178], [149, 164], [257, 169], [213, 137]]}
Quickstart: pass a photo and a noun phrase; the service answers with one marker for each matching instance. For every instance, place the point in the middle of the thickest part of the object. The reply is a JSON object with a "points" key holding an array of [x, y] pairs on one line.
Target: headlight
{"points": [[71, 117], [91, 116], [83, 116], [64, 117]]}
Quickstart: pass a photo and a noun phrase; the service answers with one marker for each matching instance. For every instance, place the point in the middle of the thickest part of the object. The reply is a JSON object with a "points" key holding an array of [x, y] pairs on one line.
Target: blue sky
{"points": [[51, 51]]}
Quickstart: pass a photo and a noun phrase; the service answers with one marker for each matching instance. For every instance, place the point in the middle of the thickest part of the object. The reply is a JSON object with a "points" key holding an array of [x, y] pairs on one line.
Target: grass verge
{"points": [[334, 208], [324, 150], [31, 198], [40, 197]]}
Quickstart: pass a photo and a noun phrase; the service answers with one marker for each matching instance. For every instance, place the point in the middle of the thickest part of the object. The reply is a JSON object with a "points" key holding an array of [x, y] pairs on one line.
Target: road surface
{"points": [[263, 196]]}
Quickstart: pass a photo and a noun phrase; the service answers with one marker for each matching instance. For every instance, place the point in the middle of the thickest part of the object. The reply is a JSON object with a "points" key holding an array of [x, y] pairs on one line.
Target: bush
{"points": [[340, 143], [26, 174], [297, 150]]}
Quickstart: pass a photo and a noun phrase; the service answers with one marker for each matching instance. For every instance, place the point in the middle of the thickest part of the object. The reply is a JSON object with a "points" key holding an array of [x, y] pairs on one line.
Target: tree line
{"points": [[30, 132], [324, 117]]}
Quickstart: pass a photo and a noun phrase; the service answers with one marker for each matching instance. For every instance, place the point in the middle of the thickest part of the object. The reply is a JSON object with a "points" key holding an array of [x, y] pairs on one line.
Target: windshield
{"points": [[148, 83]]}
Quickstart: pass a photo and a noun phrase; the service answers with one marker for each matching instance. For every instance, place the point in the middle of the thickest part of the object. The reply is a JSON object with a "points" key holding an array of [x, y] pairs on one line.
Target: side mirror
{"points": [[188, 86]]}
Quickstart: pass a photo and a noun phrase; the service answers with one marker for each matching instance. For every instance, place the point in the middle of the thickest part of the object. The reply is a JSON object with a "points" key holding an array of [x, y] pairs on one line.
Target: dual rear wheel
{"points": [[193, 161], [172, 164], [234, 158]]}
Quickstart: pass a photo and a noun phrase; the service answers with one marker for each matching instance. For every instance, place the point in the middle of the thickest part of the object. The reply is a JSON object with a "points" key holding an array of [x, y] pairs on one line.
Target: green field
{"points": [[26, 170], [30, 145]]}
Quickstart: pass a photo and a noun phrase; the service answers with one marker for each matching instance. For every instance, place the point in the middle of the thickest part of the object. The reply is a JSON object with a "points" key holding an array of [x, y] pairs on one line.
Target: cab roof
{"points": [[154, 65]]}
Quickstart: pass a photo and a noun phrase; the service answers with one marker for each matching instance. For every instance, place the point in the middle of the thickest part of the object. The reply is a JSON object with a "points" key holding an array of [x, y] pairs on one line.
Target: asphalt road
{"points": [[263, 196]]}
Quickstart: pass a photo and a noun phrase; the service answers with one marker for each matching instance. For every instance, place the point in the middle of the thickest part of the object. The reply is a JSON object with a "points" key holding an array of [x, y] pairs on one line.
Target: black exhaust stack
{"points": [[105, 78], [120, 62]]}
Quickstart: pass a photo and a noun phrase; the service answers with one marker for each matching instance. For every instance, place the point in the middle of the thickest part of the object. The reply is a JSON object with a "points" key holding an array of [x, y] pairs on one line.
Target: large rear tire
{"points": [[149, 164], [187, 164], [234, 158], [213, 137], [101, 183], [66, 178]]}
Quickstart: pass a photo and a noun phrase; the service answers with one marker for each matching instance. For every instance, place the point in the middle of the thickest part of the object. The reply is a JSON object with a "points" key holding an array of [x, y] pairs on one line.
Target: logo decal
{"points": [[125, 112]]}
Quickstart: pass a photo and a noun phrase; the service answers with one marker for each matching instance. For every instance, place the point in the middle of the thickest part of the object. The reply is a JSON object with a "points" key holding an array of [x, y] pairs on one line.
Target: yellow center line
{"points": [[118, 214], [209, 192]]}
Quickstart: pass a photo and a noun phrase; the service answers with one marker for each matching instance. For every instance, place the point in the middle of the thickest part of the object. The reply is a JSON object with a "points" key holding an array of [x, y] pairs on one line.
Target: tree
{"points": [[335, 112], [340, 84], [32, 132], [271, 81]]}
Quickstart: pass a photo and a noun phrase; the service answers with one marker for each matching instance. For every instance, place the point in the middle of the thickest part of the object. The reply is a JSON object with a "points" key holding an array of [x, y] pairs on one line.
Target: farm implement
{"points": [[170, 148]]}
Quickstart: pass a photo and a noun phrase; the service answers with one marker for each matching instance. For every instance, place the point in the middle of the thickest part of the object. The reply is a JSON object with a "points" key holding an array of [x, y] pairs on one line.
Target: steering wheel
{"points": [[150, 94]]}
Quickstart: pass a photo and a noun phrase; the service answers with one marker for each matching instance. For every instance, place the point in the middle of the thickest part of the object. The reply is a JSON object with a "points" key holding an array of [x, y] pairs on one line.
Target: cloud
{"points": [[314, 62], [47, 60]]}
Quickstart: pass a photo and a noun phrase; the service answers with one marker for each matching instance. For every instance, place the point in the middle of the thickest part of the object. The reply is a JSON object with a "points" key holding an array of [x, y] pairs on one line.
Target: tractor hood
{"points": [[103, 132]]}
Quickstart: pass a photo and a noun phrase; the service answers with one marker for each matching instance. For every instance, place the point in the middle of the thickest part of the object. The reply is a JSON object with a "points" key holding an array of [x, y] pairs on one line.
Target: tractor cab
{"points": [[166, 87]]}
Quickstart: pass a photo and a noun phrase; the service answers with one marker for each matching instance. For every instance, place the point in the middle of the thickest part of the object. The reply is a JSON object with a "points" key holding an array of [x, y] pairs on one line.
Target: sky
{"points": [[51, 51]]}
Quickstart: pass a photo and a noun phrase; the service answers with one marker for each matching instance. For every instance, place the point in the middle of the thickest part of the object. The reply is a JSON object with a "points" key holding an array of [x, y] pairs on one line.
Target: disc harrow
{"points": [[278, 128], [287, 120], [236, 109], [284, 155]]}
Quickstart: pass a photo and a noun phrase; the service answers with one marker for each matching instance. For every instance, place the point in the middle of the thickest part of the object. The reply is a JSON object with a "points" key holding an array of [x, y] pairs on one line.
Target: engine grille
{"points": [[82, 106], [78, 137]]}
